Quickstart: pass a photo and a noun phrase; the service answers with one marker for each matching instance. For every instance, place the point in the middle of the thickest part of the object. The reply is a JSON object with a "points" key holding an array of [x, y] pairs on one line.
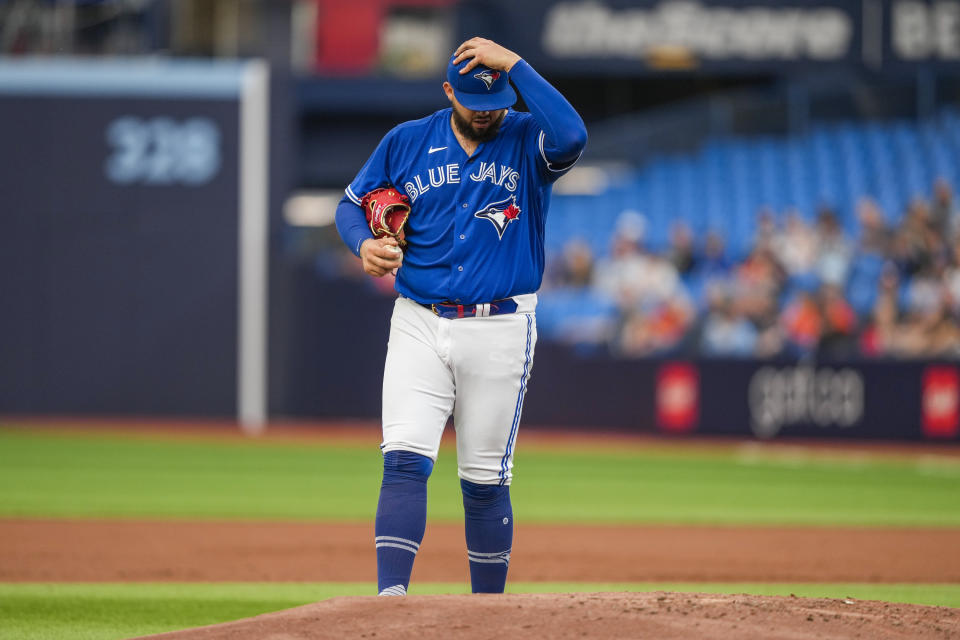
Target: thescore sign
{"points": [[750, 32], [736, 36]]}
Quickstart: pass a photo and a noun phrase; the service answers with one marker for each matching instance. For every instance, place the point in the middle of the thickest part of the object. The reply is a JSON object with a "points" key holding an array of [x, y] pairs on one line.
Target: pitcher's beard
{"points": [[467, 131]]}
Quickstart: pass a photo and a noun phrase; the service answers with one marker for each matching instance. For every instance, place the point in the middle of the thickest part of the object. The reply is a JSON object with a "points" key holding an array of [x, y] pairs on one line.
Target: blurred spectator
{"points": [[636, 337], [634, 277], [771, 340], [833, 249], [766, 229], [681, 253], [802, 323], [795, 245], [941, 336], [757, 281], [838, 324], [943, 217], [917, 243], [726, 331], [879, 337], [620, 275], [951, 280], [875, 236], [925, 329], [656, 330], [924, 292], [575, 268], [929, 333], [713, 264]]}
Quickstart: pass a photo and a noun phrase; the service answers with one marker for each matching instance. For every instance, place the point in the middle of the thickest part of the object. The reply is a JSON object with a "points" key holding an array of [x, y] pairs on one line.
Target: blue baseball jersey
{"points": [[476, 227]]}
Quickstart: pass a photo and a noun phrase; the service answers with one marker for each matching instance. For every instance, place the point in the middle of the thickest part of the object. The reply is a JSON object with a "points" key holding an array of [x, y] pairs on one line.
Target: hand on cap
{"points": [[485, 52]]}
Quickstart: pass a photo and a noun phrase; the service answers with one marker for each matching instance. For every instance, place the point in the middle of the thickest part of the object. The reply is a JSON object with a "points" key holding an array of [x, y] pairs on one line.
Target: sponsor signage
{"points": [[939, 402], [629, 37], [889, 400], [693, 31], [800, 395], [925, 31], [678, 397], [855, 399]]}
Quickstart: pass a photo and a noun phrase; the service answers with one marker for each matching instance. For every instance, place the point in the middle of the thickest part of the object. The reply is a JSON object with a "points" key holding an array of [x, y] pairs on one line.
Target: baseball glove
{"points": [[387, 211]]}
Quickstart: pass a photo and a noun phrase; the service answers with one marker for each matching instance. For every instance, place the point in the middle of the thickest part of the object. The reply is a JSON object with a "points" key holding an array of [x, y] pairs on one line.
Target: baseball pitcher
{"points": [[456, 204]]}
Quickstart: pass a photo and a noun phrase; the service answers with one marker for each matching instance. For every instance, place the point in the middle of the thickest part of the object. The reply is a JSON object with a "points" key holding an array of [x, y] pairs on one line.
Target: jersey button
{"points": [[463, 237], [465, 205], [460, 268]]}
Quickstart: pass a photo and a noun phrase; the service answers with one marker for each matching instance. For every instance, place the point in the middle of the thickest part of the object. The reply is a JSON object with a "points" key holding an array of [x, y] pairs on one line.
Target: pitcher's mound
{"points": [[657, 615]]}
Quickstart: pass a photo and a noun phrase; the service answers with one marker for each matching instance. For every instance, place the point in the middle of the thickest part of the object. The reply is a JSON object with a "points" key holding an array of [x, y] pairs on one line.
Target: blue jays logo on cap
{"points": [[488, 77], [482, 89], [500, 213]]}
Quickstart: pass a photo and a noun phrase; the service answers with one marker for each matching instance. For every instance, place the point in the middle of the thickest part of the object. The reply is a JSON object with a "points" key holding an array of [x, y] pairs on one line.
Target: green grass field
{"points": [[46, 474], [52, 474]]}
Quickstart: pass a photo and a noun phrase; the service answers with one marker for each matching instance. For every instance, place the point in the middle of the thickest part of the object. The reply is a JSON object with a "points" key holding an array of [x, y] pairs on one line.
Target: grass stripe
{"points": [[87, 476]]}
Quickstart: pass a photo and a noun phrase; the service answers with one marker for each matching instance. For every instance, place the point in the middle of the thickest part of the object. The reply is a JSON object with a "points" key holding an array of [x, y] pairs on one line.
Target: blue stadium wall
{"points": [[118, 239]]}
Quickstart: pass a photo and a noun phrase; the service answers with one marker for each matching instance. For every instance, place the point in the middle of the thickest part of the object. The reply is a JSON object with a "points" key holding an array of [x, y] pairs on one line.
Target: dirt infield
{"points": [[660, 615], [128, 551], [152, 551]]}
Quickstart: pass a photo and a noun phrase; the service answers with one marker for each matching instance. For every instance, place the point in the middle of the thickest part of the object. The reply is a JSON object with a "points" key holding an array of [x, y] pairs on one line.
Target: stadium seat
{"points": [[721, 187]]}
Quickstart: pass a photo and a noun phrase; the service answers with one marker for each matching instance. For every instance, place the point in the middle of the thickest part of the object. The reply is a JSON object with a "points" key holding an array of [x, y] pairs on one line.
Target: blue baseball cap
{"points": [[481, 88]]}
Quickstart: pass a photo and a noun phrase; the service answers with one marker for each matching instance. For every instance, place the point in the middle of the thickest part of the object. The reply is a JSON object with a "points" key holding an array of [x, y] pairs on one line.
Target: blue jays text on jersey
{"points": [[476, 228], [450, 174]]}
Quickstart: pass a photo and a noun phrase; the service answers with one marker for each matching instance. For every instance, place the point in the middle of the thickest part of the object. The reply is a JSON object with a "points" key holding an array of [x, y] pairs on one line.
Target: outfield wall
{"points": [[133, 237], [763, 399], [340, 329]]}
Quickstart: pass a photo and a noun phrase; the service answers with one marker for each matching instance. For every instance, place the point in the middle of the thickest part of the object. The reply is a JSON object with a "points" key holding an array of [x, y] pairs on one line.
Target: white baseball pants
{"points": [[476, 369]]}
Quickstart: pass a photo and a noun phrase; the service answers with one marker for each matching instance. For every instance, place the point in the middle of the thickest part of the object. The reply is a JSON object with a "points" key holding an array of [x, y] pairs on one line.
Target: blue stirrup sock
{"points": [[488, 521], [401, 519]]}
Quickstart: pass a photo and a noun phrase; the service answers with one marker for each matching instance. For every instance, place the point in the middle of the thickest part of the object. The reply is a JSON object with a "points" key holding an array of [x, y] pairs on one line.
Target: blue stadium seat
{"points": [[721, 187], [861, 289], [576, 316]]}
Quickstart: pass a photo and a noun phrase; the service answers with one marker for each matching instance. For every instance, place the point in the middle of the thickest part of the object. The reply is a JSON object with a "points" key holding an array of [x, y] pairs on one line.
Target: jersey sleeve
{"points": [[352, 225], [533, 141], [558, 134], [375, 172], [551, 169]]}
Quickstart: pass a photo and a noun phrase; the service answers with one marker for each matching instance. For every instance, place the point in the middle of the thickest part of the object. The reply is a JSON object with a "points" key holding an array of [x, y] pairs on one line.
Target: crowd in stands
{"points": [[804, 288]]}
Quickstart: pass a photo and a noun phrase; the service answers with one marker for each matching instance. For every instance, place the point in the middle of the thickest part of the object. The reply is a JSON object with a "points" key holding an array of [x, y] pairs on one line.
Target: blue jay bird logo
{"points": [[488, 77], [500, 213]]}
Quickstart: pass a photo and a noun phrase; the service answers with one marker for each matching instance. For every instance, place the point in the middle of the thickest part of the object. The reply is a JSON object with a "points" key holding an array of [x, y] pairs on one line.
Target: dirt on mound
{"points": [[595, 615]]}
